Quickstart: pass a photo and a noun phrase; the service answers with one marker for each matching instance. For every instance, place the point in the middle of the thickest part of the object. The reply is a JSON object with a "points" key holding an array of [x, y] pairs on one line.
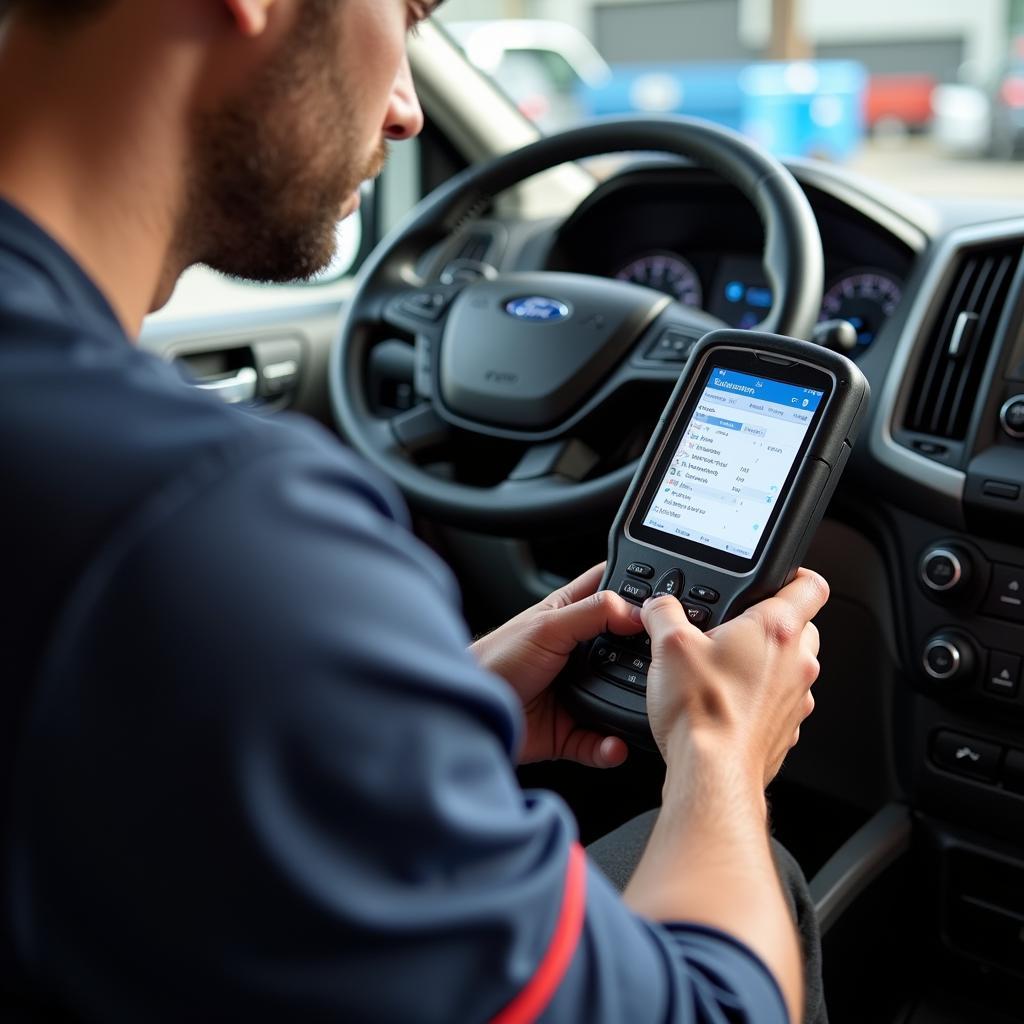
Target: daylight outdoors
{"points": [[926, 96]]}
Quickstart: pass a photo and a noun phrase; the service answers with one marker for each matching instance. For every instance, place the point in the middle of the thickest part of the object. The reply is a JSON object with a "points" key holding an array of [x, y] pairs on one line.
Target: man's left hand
{"points": [[531, 649]]}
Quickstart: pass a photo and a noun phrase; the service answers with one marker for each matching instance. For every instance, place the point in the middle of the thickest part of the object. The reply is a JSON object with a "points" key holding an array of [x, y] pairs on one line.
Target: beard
{"points": [[274, 166]]}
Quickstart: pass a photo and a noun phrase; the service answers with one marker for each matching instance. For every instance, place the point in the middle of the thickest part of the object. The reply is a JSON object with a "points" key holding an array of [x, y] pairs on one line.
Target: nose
{"points": [[404, 118]]}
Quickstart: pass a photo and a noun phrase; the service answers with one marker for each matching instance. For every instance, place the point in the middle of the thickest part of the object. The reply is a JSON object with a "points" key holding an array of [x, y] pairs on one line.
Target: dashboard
{"points": [[924, 542], [683, 236]]}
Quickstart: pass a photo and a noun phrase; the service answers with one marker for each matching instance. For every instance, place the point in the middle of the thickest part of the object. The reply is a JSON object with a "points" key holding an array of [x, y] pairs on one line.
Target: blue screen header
{"points": [[761, 389]]}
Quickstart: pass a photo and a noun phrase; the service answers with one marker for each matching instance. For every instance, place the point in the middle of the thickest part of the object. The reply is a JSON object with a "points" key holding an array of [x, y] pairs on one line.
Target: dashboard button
{"points": [[1006, 593], [1003, 676], [427, 304], [705, 594], [941, 659], [641, 571], [673, 346], [942, 570], [635, 592], [1011, 416], [966, 755], [671, 583], [951, 657]]}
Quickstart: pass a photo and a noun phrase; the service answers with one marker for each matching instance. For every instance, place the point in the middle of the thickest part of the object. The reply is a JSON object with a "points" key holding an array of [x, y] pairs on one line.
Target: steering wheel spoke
{"points": [[418, 429], [570, 460]]}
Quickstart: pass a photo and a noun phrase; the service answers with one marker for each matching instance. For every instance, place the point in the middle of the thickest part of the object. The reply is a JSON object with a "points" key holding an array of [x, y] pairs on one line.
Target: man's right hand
{"points": [[725, 707], [740, 690]]}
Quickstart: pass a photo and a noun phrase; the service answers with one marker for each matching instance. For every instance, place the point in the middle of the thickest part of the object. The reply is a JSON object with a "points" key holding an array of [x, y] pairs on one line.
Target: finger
{"points": [[664, 618], [577, 589], [594, 750], [808, 706], [784, 616], [811, 640], [603, 612]]}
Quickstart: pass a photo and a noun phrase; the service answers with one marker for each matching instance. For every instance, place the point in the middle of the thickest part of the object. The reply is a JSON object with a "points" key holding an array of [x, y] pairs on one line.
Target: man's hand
{"points": [[531, 649], [725, 707], [744, 687]]}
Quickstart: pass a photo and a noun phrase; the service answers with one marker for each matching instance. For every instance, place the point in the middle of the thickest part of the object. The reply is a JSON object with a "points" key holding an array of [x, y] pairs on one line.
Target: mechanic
{"points": [[249, 770]]}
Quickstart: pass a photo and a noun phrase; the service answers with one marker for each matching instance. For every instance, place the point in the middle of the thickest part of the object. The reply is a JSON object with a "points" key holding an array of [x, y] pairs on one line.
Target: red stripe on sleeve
{"points": [[534, 998]]}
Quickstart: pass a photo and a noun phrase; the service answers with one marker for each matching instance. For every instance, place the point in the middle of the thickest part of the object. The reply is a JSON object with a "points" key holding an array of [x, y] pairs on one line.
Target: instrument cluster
{"points": [[735, 289]]}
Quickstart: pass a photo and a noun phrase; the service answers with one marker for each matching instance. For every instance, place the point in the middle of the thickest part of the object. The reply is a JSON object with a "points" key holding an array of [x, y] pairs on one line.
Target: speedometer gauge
{"points": [[666, 272], [866, 298]]}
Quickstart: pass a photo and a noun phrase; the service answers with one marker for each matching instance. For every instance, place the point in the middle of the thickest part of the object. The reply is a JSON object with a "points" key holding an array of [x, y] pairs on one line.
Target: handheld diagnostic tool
{"points": [[726, 499]]}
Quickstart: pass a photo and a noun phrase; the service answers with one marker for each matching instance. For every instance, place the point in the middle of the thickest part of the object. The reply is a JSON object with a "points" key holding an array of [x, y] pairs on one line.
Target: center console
{"points": [[947, 447]]}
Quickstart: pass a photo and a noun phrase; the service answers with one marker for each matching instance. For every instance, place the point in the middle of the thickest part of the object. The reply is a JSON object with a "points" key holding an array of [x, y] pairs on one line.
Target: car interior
{"points": [[904, 800]]}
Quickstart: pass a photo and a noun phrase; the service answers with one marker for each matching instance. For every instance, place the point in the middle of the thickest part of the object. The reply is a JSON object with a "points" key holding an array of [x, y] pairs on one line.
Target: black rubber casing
{"points": [[621, 709]]}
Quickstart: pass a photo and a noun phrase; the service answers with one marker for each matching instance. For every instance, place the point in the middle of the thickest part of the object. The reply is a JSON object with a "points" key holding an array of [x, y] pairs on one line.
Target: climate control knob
{"points": [[950, 657], [1011, 416], [945, 569]]}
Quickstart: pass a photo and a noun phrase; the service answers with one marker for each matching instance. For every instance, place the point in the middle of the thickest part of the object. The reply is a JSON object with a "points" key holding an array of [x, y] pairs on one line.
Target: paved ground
{"points": [[915, 165]]}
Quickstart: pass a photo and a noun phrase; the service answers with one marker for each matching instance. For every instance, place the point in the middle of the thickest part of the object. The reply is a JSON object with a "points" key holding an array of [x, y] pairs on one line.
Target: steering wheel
{"points": [[528, 357]]}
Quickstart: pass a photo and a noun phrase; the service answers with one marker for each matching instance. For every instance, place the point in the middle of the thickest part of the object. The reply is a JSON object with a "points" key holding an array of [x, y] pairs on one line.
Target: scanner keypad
{"points": [[626, 659]]}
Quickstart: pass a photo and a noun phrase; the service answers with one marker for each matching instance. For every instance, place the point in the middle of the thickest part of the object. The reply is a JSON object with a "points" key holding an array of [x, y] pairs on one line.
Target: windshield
{"points": [[927, 97]]}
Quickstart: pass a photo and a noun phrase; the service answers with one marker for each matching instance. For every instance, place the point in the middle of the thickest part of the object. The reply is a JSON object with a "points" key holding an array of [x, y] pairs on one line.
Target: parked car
{"points": [[1007, 105], [899, 102], [541, 65], [962, 120]]}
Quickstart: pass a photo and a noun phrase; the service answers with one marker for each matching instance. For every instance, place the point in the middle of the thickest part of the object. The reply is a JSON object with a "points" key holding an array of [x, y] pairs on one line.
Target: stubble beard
{"points": [[275, 166]]}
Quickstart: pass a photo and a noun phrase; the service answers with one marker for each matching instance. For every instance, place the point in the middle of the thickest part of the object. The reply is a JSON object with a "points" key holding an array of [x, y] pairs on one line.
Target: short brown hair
{"points": [[54, 12]]}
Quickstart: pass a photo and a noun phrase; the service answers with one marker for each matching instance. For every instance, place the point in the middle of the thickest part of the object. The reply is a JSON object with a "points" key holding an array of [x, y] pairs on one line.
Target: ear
{"points": [[249, 15]]}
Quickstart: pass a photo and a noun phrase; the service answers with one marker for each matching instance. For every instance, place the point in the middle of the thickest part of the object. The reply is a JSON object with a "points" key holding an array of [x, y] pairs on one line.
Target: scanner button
{"points": [[671, 583], [625, 675], [705, 594], [635, 592], [635, 662], [603, 653], [699, 616], [641, 571], [639, 642]]}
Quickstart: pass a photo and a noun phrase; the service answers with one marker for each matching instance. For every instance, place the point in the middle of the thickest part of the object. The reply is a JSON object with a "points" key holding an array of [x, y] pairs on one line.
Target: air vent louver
{"points": [[959, 342]]}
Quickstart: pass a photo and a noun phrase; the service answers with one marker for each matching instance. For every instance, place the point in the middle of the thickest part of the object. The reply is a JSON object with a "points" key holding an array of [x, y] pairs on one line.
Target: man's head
{"points": [[280, 161], [289, 108]]}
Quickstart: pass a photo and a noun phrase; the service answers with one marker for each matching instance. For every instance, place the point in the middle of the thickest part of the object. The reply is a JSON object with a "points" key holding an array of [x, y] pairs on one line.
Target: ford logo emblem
{"points": [[537, 309]]}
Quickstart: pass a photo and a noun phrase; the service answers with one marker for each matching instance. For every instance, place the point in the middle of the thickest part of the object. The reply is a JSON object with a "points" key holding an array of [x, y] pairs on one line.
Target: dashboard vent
{"points": [[959, 342]]}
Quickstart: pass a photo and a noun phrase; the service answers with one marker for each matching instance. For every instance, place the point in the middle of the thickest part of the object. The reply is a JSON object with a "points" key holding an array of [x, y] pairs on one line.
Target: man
{"points": [[249, 770]]}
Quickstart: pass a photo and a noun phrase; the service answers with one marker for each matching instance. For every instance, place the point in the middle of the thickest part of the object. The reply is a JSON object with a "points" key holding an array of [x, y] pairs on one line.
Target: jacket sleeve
{"points": [[264, 781]]}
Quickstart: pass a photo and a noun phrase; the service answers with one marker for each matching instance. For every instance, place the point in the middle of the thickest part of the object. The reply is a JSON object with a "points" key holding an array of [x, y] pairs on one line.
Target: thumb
{"points": [[664, 616], [603, 612]]}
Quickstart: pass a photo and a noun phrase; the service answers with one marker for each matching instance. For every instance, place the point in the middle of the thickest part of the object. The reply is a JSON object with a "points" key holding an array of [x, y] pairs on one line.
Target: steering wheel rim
{"points": [[792, 257]]}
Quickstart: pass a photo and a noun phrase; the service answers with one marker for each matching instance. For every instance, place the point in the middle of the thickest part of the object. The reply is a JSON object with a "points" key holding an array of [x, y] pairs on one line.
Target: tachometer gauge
{"points": [[668, 273], [866, 298]]}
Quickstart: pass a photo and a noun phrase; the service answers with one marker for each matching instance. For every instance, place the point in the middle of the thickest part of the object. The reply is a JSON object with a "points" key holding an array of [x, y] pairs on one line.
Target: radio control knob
{"points": [[950, 657], [1011, 416], [945, 569]]}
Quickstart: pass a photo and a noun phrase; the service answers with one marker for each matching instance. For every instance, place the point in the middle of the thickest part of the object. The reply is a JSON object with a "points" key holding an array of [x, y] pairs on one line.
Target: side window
{"points": [[522, 72]]}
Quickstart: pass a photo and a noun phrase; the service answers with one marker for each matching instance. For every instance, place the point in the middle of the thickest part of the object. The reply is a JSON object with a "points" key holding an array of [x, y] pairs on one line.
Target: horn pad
{"points": [[525, 350]]}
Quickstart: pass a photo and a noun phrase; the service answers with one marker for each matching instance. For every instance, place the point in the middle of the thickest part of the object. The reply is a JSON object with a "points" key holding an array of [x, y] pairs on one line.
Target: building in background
{"points": [[907, 46]]}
